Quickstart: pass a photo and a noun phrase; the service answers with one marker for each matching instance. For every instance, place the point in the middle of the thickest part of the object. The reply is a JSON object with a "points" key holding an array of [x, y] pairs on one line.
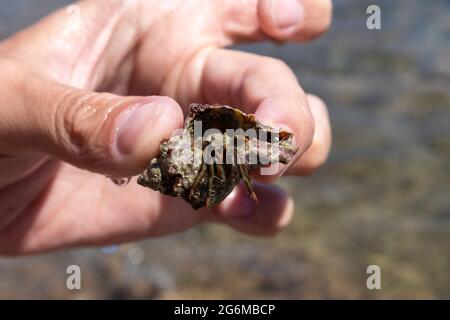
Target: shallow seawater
{"points": [[382, 199]]}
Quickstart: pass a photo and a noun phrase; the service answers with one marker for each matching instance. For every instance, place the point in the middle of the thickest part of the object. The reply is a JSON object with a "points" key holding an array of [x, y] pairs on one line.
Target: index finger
{"points": [[264, 86]]}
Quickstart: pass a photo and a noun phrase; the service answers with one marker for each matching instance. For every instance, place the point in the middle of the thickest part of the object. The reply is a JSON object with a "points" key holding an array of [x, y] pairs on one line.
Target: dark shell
{"points": [[174, 172]]}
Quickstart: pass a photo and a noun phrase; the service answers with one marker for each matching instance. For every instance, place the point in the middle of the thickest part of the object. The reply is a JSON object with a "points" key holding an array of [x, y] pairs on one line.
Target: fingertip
{"points": [[237, 205], [298, 20], [280, 18], [271, 215], [316, 102], [319, 19], [290, 114], [317, 154], [319, 111]]}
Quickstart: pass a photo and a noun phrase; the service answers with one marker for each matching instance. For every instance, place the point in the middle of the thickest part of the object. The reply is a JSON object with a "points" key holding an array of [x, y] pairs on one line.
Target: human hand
{"points": [[54, 124]]}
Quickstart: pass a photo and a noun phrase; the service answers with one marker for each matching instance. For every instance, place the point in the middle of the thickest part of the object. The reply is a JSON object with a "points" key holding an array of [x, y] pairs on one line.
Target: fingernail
{"points": [[131, 124], [287, 13]]}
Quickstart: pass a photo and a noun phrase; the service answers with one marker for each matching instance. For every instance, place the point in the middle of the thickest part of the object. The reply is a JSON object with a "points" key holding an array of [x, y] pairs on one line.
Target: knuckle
{"points": [[273, 67], [78, 125], [275, 64]]}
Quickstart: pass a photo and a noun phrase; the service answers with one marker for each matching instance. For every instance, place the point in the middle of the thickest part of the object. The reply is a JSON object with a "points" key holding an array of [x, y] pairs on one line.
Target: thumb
{"points": [[101, 132]]}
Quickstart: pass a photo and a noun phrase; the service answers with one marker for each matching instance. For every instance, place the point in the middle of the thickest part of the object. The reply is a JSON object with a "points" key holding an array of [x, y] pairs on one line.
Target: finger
{"points": [[238, 210], [317, 153], [266, 218], [283, 20], [264, 86], [76, 45], [101, 132], [128, 214]]}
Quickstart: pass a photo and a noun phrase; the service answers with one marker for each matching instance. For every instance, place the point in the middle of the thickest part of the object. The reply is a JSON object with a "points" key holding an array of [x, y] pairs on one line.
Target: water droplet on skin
{"points": [[121, 182]]}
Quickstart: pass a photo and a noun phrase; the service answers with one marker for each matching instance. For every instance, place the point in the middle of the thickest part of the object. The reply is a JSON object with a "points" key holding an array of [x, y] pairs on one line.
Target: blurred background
{"points": [[383, 198]]}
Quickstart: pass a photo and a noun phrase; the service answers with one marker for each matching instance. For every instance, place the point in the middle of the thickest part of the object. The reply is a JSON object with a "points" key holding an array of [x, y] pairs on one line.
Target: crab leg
{"points": [[210, 185], [198, 179], [247, 180], [221, 172]]}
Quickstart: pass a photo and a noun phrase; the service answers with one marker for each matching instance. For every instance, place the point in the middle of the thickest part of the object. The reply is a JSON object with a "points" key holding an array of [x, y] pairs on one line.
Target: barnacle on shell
{"points": [[216, 150]]}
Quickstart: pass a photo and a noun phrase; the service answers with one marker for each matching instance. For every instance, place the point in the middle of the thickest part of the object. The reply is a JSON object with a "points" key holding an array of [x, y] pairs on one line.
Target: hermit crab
{"points": [[217, 149]]}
